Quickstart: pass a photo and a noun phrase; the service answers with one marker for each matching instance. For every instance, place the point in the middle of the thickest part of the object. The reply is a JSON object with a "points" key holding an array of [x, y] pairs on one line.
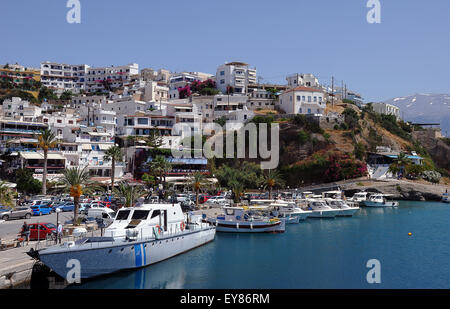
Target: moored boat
{"points": [[320, 209], [139, 236], [379, 200], [236, 220], [345, 209], [446, 197]]}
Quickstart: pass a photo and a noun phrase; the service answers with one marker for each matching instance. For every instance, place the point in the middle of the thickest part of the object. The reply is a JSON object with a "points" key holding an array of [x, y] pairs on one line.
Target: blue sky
{"points": [[407, 53]]}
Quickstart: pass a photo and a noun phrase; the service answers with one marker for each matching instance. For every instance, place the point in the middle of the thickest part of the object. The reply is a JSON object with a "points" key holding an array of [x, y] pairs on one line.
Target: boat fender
{"points": [[159, 229], [182, 226]]}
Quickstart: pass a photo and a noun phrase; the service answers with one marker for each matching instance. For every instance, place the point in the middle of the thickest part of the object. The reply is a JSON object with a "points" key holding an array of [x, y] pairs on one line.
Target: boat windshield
{"points": [[123, 214]]}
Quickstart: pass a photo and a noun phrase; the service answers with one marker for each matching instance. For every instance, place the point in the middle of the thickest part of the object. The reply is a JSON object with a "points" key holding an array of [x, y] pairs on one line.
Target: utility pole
{"points": [[342, 90], [332, 91]]}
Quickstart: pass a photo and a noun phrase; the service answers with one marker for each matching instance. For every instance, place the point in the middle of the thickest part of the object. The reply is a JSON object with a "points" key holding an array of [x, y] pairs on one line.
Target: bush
{"points": [[432, 176], [303, 137]]}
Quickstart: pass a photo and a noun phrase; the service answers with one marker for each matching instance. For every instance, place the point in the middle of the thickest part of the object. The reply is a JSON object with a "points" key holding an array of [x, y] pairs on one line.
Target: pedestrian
{"points": [[25, 231]]}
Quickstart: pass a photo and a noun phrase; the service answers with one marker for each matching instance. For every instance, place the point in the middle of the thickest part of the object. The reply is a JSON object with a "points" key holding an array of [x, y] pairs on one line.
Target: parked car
{"points": [[40, 210], [68, 207], [19, 212], [83, 208], [41, 230]]}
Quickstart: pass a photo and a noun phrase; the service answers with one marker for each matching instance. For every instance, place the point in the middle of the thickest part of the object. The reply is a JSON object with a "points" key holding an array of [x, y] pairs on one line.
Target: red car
{"points": [[41, 230]]}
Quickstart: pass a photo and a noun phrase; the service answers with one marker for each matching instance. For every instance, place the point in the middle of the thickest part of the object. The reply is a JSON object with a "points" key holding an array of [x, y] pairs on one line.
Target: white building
{"points": [[18, 109], [306, 80], [180, 80], [104, 79], [260, 99], [236, 75], [155, 92], [386, 109], [64, 77], [302, 100]]}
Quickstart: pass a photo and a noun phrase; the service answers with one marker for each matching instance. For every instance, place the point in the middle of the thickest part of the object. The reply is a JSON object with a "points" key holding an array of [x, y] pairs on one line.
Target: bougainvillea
{"points": [[342, 166], [184, 92]]}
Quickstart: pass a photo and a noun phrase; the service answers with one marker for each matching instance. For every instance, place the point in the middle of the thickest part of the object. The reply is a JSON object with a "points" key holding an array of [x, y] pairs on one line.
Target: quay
{"points": [[16, 267]]}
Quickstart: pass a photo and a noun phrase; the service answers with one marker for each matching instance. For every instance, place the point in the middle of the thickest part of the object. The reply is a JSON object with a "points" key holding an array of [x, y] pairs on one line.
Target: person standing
{"points": [[25, 231]]}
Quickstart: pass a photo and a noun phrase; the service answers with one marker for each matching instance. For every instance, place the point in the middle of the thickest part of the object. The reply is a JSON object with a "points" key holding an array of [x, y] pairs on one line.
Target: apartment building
{"points": [[64, 77], [180, 80], [260, 99], [105, 79], [18, 74], [235, 76]]}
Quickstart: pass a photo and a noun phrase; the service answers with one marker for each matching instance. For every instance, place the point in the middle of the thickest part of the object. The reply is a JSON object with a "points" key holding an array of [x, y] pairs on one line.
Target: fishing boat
{"points": [[139, 236], [446, 197], [379, 200], [320, 209], [238, 220], [345, 209]]}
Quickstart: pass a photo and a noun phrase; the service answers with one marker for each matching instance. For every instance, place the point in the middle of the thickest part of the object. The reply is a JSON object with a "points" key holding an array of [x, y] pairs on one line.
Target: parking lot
{"points": [[10, 228]]}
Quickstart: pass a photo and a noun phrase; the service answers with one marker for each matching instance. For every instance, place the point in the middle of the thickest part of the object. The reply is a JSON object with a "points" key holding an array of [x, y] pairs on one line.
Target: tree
{"points": [[130, 193], [149, 180], [154, 141], [160, 166], [113, 154], [26, 183], [400, 163], [77, 180], [271, 179], [66, 95], [46, 94], [197, 181], [6, 195], [46, 140]]}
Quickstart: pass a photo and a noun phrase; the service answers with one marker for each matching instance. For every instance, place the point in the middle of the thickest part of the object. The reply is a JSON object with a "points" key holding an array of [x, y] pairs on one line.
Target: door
{"points": [[33, 231]]}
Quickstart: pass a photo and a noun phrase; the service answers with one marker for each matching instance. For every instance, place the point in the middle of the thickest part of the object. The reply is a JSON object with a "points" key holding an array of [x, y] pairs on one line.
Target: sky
{"points": [[406, 53]]}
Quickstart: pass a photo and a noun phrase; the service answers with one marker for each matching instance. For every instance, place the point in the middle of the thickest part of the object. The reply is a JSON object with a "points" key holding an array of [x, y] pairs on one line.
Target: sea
{"points": [[407, 247]]}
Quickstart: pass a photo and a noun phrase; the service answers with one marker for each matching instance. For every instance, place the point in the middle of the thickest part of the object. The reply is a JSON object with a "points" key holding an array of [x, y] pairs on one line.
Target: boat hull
{"points": [[291, 220], [323, 214], [120, 255], [347, 212], [380, 205], [247, 227]]}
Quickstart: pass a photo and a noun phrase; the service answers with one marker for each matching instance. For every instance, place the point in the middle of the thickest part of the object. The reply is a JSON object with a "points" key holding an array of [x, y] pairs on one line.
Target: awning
{"points": [[54, 156], [105, 146], [31, 155], [98, 134]]}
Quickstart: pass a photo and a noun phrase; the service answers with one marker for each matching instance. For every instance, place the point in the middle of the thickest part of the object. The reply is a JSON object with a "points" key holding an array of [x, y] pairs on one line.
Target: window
{"points": [[298, 98], [222, 73], [309, 98], [140, 214], [315, 99], [155, 213], [309, 111], [123, 214]]}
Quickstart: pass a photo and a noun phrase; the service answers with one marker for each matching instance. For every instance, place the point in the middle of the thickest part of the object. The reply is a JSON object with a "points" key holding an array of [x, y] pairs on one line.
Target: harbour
{"points": [[315, 254]]}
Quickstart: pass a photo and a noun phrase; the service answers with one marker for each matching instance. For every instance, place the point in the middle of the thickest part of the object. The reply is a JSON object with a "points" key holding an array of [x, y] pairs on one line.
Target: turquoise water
{"points": [[330, 253]]}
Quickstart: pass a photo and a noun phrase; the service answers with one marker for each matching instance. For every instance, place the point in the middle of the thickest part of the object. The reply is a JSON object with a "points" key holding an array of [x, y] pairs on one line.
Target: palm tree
{"points": [[271, 179], [77, 181], [113, 154], [130, 193], [154, 141], [6, 195], [160, 166], [46, 140], [197, 182], [237, 187], [400, 163]]}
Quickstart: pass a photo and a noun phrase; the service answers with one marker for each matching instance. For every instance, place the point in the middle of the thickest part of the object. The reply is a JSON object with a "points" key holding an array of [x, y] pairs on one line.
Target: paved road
{"points": [[10, 228]]}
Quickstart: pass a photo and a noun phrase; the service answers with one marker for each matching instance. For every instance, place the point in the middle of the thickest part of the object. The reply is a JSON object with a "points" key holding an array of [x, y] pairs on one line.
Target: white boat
{"points": [[359, 197], [291, 208], [236, 220], [345, 209], [379, 200], [446, 197], [320, 209], [139, 236]]}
